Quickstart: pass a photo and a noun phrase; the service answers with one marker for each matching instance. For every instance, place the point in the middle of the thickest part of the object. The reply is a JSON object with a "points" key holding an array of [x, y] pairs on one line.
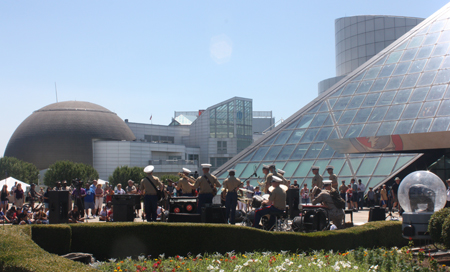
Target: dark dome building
{"points": [[64, 131]]}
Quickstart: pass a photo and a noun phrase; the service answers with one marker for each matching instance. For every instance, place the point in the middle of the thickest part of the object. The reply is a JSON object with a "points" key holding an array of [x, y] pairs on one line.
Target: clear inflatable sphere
{"points": [[422, 191]]}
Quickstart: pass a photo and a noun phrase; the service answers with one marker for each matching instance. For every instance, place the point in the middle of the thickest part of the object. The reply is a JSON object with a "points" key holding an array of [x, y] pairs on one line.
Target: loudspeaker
{"points": [[123, 213], [123, 208], [377, 214], [293, 200], [213, 215], [58, 202], [185, 217]]}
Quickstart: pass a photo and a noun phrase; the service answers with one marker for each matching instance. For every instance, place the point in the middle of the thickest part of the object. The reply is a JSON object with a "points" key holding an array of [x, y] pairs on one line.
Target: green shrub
{"points": [[20, 254], [445, 237], [119, 240], [435, 224], [52, 238]]}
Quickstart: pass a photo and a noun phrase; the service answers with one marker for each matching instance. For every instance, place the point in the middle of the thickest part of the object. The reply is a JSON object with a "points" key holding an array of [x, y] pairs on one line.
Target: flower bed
{"points": [[393, 259]]}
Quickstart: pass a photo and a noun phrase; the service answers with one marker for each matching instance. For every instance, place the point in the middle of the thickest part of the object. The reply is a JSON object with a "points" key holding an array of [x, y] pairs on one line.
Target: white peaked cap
{"points": [[149, 169]]}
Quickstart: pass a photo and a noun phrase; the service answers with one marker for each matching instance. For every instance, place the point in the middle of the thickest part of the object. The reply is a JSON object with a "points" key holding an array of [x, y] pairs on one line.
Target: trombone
{"points": [[191, 180]]}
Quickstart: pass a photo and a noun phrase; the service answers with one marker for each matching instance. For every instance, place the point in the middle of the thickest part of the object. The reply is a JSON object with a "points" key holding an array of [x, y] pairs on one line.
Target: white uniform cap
{"points": [[315, 168], [326, 182], [397, 178], [281, 171], [149, 169], [185, 170], [265, 167], [276, 179], [272, 165], [231, 170], [330, 167], [206, 165]]}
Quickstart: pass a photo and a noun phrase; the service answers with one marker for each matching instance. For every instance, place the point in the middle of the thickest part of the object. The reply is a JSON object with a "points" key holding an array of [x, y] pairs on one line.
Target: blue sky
{"points": [[142, 58]]}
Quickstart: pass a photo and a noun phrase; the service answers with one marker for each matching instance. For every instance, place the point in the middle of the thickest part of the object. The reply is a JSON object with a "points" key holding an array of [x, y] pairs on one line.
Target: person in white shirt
{"points": [[119, 190], [361, 189]]}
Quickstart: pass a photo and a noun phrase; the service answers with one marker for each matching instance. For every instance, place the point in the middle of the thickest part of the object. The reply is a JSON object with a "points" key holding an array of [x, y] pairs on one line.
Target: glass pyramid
{"points": [[401, 90]]}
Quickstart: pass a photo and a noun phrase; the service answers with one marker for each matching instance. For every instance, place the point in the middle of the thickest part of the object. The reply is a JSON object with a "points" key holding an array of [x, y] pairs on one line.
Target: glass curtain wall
{"points": [[401, 90]]}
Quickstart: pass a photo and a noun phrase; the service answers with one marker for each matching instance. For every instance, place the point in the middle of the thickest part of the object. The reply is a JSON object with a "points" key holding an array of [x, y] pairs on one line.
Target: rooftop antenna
{"points": [[56, 92]]}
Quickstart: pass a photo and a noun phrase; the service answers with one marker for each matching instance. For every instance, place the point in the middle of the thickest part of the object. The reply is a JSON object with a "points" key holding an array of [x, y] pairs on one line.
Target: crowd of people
{"points": [[91, 200]]}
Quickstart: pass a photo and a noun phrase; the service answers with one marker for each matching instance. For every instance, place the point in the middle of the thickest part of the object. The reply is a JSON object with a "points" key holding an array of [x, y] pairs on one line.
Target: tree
{"points": [[164, 178], [124, 173], [67, 170], [18, 169]]}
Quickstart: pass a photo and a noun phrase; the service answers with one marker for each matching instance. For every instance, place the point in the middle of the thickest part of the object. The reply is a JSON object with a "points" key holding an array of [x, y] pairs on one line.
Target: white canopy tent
{"points": [[11, 181], [101, 181]]}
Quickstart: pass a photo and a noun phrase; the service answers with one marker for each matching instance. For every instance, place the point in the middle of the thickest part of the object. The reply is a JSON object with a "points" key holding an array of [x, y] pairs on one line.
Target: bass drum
{"points": [[315, 220], [248, 219], [257, 201], [239, 216], [297, 223]]}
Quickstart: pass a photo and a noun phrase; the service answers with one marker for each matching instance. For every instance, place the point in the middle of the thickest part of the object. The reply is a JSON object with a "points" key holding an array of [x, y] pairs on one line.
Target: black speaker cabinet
{"points": [[213, 215], [123, 207], [58, 207], [185, 217], [293, 200], [377, 214], [123, 213]]}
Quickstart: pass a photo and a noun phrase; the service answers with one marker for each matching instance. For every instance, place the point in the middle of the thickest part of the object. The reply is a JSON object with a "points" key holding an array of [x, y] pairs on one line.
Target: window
{"points": [[221, 147], [159, 139], [217, 162]]}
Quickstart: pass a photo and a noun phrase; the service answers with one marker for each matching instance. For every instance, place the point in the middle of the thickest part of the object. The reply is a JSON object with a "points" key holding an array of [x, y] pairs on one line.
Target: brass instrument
{"points": [[191, 180]]}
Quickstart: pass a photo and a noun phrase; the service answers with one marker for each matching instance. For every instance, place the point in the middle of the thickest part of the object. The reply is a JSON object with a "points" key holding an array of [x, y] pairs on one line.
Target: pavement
{"points": [[362, 216]]}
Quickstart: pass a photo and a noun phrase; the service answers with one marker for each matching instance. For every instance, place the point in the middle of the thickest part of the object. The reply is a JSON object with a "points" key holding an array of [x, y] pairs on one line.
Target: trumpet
{"points": [[182, 175]]}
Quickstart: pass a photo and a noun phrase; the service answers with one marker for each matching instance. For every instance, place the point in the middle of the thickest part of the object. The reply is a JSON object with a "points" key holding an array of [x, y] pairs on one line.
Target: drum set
{"points": [[311, 218], [247, 217]]}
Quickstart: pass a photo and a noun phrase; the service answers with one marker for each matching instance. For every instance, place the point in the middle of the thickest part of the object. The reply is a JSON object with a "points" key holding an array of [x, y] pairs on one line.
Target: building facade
{"points": [[212, 136]]}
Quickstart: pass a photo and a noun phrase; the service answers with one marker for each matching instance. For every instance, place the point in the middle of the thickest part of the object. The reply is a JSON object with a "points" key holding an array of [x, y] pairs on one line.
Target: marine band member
{"points": [[334, 214], [207, 184], [276, 203], [150, 194], [185, 185], [231, 185]]}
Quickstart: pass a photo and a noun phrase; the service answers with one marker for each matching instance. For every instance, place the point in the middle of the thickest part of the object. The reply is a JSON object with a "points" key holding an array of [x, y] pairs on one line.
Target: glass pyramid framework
{"points": [[401, 90]]}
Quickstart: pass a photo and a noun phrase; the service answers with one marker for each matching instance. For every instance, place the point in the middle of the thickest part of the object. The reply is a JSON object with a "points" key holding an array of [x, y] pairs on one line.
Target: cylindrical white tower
{"points": [[358, 38]]}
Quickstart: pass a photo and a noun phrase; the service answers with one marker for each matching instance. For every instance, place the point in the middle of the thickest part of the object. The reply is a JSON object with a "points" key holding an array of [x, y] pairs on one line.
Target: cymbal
{"points": [[246, 191], [282, 186]]}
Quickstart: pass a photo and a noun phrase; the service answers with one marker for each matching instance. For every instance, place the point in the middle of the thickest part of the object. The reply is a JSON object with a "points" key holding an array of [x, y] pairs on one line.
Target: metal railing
{"points": [[173, 162]]}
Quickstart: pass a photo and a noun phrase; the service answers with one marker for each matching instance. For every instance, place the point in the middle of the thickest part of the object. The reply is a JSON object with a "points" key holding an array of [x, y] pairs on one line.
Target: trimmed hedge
{"points": [[20, 254], [119, 240], [436, 223], [59, 241], [446, 232]]}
